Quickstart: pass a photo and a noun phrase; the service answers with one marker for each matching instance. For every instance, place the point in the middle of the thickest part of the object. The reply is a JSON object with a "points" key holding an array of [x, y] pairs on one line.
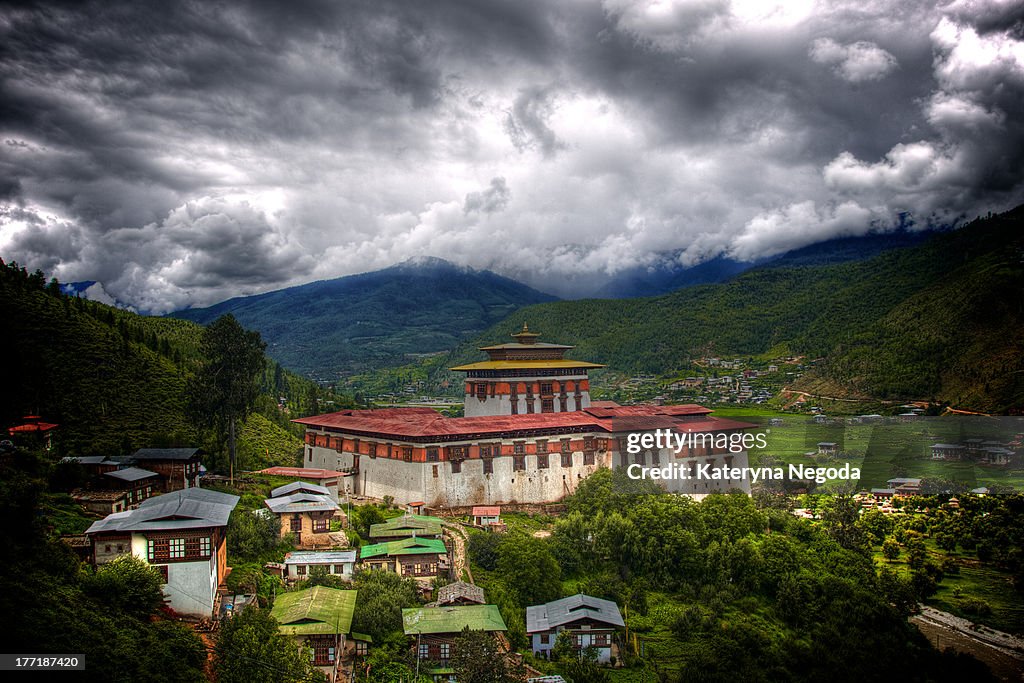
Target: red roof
{"points": [[32, 423], [486, 511], [645, 410], [303, 473], [413, 423]]}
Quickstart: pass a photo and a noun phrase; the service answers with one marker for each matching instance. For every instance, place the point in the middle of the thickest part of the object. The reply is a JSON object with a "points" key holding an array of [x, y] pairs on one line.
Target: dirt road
{"points": [[1002, 652]]}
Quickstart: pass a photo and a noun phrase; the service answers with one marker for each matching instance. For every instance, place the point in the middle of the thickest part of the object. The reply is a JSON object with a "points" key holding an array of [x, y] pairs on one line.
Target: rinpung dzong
{"points": [[530, 435]]}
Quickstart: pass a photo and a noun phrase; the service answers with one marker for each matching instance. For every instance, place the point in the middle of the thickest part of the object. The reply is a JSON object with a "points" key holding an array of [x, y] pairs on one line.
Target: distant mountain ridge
{"points": [[670, 275], [351, 324], [940, 320]]}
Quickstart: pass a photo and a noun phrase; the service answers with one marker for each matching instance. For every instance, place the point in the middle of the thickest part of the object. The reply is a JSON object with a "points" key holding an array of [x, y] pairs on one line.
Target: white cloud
{"points": [[857, 62]]}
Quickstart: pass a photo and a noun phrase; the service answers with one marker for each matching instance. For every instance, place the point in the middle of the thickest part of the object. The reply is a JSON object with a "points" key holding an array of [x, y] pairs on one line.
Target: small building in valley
{"points": [[486, 515], [591, 621], [178, 467], [304, 510], [460, 593], [435, 629], [300, 564], [420, 558], [183, 535], [319, 618], [407, 526]]}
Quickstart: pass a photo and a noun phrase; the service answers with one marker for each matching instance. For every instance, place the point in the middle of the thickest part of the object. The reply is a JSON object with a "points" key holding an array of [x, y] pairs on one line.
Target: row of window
{"points": [[519, 463], [301, 569], [441, 651], [419, 569], [582, 640], [547, 405], [320, 526], [461, 452], [178, 549]]}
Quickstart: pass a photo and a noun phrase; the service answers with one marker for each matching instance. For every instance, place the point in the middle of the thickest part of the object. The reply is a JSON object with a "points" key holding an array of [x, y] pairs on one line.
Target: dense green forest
{"points": [[55, 604], [943, 320], [725, 589], [116, 381]]}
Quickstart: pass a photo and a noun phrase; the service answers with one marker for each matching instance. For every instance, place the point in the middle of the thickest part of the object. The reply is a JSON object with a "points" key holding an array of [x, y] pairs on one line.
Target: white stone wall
{"points": [[697, 488], [408, 482]]}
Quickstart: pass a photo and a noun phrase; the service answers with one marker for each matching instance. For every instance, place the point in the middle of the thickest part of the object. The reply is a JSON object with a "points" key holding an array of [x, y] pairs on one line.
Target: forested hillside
{"points": [[943, 320], [115, 381], [336, 327]]}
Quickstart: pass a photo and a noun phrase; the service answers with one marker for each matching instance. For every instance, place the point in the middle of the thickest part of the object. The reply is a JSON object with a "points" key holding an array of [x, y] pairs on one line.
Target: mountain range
{"points": [[940, 320], [669, 275], [352, 324]]}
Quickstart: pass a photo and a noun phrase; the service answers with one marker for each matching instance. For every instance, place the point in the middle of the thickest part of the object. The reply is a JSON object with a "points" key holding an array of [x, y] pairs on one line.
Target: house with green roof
{"points": [[420, 558], [319, 618], [436, 628], [407, 526]]}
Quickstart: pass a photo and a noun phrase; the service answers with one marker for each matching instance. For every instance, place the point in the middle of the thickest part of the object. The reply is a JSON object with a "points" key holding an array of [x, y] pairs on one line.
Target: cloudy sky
{"points": [[182, 153]]}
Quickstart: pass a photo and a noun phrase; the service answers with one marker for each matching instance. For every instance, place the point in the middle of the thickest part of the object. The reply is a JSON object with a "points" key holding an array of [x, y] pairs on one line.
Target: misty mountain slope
{"points": [[350, 324], [670, 276], [938, 320]]}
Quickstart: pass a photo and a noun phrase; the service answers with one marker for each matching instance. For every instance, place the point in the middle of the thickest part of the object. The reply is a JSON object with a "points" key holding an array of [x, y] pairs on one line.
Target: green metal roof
{"points": [[405, 546], [452, 619], [318, 610], [407, 525]]}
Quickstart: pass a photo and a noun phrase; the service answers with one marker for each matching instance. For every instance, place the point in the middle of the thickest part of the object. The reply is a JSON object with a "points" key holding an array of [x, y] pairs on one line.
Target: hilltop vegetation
{"points": [[721, 590], [943, 320], [115, 381]]}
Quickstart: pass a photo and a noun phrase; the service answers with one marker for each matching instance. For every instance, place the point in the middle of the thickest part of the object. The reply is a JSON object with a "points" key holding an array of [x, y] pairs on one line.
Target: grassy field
{"points": [[974, 581], [881, 451]]}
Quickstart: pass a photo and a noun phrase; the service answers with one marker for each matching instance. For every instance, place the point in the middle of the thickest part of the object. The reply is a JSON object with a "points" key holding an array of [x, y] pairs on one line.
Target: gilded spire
{"points": [[525, 336]]}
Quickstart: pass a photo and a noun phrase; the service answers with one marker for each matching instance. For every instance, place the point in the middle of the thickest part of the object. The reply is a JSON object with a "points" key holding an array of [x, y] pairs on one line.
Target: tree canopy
{"points": [[225, 387]]}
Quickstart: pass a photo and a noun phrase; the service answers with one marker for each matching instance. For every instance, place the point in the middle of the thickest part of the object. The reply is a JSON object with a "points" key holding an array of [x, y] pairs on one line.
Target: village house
{"points": [[905, 486], [300, 564], [996, 455], [319, 618], [101, 502], [486, 515], [183, 535], [136, 483], [434, 630], [828, 448], [112, 484], [947, 451], [420, 558], [591, 621], [407, 526], [304, 510], [33, 432], [178, 467], [459, 593]]}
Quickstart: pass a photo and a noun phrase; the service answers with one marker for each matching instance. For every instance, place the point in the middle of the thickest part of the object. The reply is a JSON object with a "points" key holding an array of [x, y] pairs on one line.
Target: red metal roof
{"points": [[304, 473], [418, 423], [33, 423], [486, 511], [645, 410]]}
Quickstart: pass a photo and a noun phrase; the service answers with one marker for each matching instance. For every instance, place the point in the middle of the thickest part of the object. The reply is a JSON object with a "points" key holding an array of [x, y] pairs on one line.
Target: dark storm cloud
{"points": [[186, 152]]}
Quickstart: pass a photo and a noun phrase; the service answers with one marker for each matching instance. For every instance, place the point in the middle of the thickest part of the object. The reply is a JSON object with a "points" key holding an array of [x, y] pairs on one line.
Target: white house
{"points": [[591, 621], [298, 565], [182, 534]]}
